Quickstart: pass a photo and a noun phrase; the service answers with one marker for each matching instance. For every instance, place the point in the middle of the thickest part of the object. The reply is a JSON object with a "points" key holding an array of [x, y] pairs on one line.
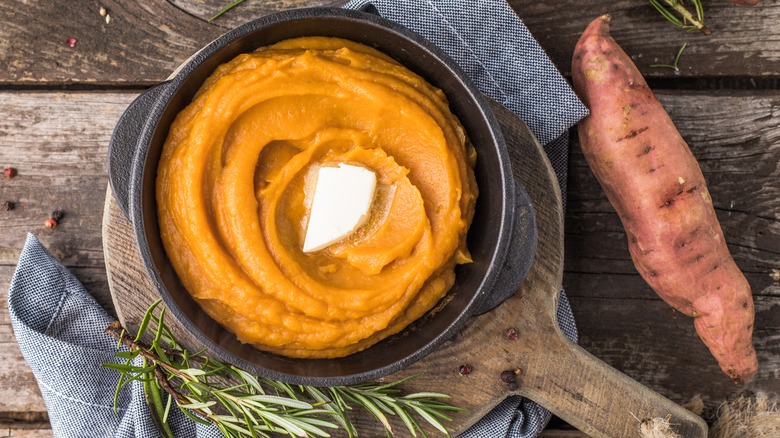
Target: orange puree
{"points": [[233, 185]]}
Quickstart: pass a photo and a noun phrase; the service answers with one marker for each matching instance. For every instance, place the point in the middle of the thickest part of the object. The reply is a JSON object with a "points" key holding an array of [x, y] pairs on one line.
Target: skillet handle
{"points": [[124, 143], [520, 256]]}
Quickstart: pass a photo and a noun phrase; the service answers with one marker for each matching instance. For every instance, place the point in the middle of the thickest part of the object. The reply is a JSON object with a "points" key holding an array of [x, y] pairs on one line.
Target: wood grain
{"points": [[648, 348], [562, 434], [40, 432], [556, 373], [61, 165], [147, 39], [38, 128]]}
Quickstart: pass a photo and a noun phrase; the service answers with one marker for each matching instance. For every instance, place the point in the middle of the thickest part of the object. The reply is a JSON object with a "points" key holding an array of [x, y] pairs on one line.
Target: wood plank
{"points": [[734, 137], [58, 143], [745, 41], [29, 433], [562, 434], [142, 44], [147, 39], [652, 344]]}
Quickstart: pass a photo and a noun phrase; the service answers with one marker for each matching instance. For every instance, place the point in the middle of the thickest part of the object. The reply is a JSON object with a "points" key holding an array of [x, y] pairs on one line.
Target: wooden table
{"points": [[58, 106]]}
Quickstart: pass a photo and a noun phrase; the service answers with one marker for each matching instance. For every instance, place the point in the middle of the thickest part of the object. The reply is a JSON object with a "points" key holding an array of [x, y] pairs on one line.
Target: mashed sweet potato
{"points": [[232, 191]]}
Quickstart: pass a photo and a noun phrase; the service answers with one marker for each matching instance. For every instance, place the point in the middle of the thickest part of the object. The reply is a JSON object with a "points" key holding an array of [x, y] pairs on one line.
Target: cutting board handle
{"points": [[555, 372], [581, 389]]}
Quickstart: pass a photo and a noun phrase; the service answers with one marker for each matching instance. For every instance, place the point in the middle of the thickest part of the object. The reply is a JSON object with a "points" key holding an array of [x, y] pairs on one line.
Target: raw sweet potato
{"points": [[656, 186]]}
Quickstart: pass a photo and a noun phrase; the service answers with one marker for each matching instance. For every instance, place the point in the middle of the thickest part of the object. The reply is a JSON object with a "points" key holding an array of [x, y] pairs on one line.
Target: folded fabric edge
{"points": [[38, 269]]}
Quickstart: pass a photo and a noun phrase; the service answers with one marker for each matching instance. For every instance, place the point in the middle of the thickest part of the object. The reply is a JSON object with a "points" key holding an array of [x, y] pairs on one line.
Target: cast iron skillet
{"points": [[502, 243]]}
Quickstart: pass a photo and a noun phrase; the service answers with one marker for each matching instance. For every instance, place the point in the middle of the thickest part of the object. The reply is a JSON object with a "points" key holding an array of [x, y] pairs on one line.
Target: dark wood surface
{"points": [[58, 106], [555, 372]]}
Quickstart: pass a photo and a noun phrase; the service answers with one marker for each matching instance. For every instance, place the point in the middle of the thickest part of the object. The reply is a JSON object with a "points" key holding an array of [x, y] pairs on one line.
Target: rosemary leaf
{"points": [[228, 422], [308, 427], [119, 385], [249, 421], [339, 414], [425, 395], [229, 404], [225, 9], [674, 66], [404, 416], [126, 354], [152, 392], [243, 405], [281, 401], [396, 382], [431, 420], [194, 417], [167, 409], [676, 13], [193, 372], [666, 13], [145, 321], [282, 422], [249, 379], [373, 409], [128, 368], [196, 405], [158, 333]]}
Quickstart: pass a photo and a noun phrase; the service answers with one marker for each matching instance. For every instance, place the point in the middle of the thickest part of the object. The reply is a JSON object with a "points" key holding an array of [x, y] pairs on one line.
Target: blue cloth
{"points": [[59, 325]]}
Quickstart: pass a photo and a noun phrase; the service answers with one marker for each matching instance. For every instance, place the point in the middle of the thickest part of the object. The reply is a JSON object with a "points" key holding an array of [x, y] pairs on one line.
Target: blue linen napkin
{"points": [[59, 325]]}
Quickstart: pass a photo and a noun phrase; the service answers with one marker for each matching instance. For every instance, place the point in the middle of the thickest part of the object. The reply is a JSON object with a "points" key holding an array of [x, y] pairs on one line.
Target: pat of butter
{"points": [[342, 200]]}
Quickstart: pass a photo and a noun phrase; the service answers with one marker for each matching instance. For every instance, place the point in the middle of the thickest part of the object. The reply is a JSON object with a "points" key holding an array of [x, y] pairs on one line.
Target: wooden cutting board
{"points": [[554, 372]]}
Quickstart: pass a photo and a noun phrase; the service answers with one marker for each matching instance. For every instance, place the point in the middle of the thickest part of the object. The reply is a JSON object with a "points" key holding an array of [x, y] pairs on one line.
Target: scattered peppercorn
{"points": [[511, 334], [465, 370], [9, 205], [54, 220], [508, 376], [9, 172], [71, 42]]}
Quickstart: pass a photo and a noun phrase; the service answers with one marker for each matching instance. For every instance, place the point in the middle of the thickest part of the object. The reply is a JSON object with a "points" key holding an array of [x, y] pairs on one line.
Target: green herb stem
{"points": [[225, 9], [674, 66], [689, 21], [244, 405]]}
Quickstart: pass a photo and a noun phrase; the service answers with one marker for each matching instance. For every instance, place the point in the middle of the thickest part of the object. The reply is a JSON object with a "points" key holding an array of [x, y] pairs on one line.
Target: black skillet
{"points": [[502, 242]]}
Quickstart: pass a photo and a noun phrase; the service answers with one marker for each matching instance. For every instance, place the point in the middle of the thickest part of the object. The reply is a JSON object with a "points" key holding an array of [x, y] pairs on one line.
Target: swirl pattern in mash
{"points": [[232, 191]]}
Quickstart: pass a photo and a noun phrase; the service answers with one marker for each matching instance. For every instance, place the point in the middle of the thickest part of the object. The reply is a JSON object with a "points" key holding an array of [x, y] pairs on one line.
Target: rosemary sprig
{"points": [[677, 14], [241, 404], [676, 61], [225, 9]]}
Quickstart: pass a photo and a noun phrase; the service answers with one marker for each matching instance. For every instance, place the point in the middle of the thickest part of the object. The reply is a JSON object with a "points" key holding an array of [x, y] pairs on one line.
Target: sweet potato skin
{"points": [[656, 186]]}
